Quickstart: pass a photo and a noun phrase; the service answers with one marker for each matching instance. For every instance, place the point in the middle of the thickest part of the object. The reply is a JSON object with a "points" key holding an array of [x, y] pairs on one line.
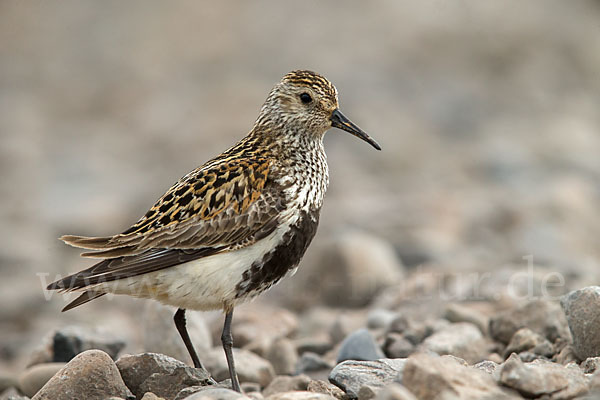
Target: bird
{"points": [[231, 228]]}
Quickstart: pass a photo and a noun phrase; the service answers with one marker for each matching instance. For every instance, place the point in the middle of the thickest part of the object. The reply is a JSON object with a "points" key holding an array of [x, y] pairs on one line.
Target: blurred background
{"points": [[488, 114]]}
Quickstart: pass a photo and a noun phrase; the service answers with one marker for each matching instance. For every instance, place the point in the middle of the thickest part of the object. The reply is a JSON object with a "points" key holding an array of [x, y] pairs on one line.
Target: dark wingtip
{"points": [[55, 285]]}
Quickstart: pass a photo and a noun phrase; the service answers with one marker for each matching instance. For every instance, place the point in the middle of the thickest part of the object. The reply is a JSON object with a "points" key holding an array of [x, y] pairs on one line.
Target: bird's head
{"points": [[306, 103]]}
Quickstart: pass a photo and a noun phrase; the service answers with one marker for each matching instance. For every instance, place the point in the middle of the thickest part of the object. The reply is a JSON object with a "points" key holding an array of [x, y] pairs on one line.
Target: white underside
{"points": [[208, 283]]}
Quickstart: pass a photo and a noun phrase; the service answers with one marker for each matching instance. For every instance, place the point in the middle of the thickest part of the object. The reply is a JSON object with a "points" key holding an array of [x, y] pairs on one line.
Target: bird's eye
{"points": [[305, 97]]}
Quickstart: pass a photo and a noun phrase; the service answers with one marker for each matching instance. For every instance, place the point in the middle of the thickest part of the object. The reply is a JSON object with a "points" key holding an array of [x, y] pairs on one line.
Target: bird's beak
{"points": [[339, 120]]}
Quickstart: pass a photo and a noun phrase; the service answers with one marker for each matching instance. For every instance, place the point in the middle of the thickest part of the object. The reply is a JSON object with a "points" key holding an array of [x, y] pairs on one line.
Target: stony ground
{"points": [[442, 261]]}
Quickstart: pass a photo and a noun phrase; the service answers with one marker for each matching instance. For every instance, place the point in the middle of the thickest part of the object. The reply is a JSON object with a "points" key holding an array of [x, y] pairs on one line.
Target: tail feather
{"points": [[88, 242], [111, 253], [86, 296]]}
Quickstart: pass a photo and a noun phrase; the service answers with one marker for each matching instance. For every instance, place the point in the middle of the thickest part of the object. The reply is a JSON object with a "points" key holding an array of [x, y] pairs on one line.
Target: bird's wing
{"points": [[218, 207]]}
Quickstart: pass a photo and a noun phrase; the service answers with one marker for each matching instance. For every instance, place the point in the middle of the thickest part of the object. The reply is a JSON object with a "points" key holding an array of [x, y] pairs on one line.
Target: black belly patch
{"points": [[275, 265]]}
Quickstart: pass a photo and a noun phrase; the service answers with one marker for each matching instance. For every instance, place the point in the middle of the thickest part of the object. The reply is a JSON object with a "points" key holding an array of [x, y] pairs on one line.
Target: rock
{"points": [[462, 340], [543, 378], [344, 324], [415, 333], [258, 322], [399, 324], [91, 375], [286, 383], [190, 390], [311, 362], [327, 388], [541, 316], [69, 341], [591, 365], [594, 386], [367, 392], [159, 374], [210, 393], [459, 313], [12, 394], [319, 344], [300, 395], [434, 377], [525, 339], [360, 345], [582, 308], [7, 382], [495, 357], [249, 366], [351, 375], [283, 356], [151, 396], [395, 391], [490, 367], [352, 269], [397, 346], [566, 355], [248, 387], [33, 378], [380, 318], [159, 334]]}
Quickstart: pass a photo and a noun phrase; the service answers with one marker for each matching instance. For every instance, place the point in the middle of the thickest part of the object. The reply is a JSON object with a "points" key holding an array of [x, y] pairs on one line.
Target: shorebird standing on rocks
{"points": [[232, 228]]}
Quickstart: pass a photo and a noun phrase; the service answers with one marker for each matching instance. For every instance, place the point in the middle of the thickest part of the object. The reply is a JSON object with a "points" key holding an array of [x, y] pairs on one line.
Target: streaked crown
{"points": [[301, 103]]}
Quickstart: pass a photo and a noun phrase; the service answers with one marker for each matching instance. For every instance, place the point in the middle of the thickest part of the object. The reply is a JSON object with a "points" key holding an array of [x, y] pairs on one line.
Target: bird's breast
{"points": [[283, 257]]}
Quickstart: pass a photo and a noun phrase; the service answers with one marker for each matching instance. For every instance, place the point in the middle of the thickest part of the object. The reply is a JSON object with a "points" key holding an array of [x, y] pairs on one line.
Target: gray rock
{"points": [[345, 324], [351, 375], [380, 318], [210, 393], [566, 355], [300, 395], [397, 346], [541, 316], [543, 378], [249, 366], [92, 375], [283, 356], [591, 365], [69, 341], [159, 374], [582, 308], [160, 336], [395, 391], [327, 388], [399, 324], [286, 384], [314, 344], [7, 382], [487, 366], [248, 387], [311, 362], [360, 345], [462, 340], [460, 313], [525, 339], [368, 392], [12, 394], [431, 377], [33, 378], [353, 268]]}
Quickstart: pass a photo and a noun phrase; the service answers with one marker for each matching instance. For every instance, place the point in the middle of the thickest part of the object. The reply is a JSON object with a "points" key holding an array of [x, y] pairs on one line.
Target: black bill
{"points": [[339, 120]]}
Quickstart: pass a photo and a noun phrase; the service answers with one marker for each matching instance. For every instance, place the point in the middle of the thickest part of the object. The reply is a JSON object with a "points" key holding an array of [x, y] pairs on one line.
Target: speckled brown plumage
{"points": [[232, 227]]}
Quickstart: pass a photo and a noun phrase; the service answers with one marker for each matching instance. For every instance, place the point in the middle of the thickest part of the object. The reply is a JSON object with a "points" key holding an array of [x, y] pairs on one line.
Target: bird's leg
{"points": [[179, 319], [227, 341]]}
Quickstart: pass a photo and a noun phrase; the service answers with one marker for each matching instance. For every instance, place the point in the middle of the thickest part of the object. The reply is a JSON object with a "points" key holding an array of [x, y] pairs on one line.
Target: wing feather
{"points": [[215, 208]]}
